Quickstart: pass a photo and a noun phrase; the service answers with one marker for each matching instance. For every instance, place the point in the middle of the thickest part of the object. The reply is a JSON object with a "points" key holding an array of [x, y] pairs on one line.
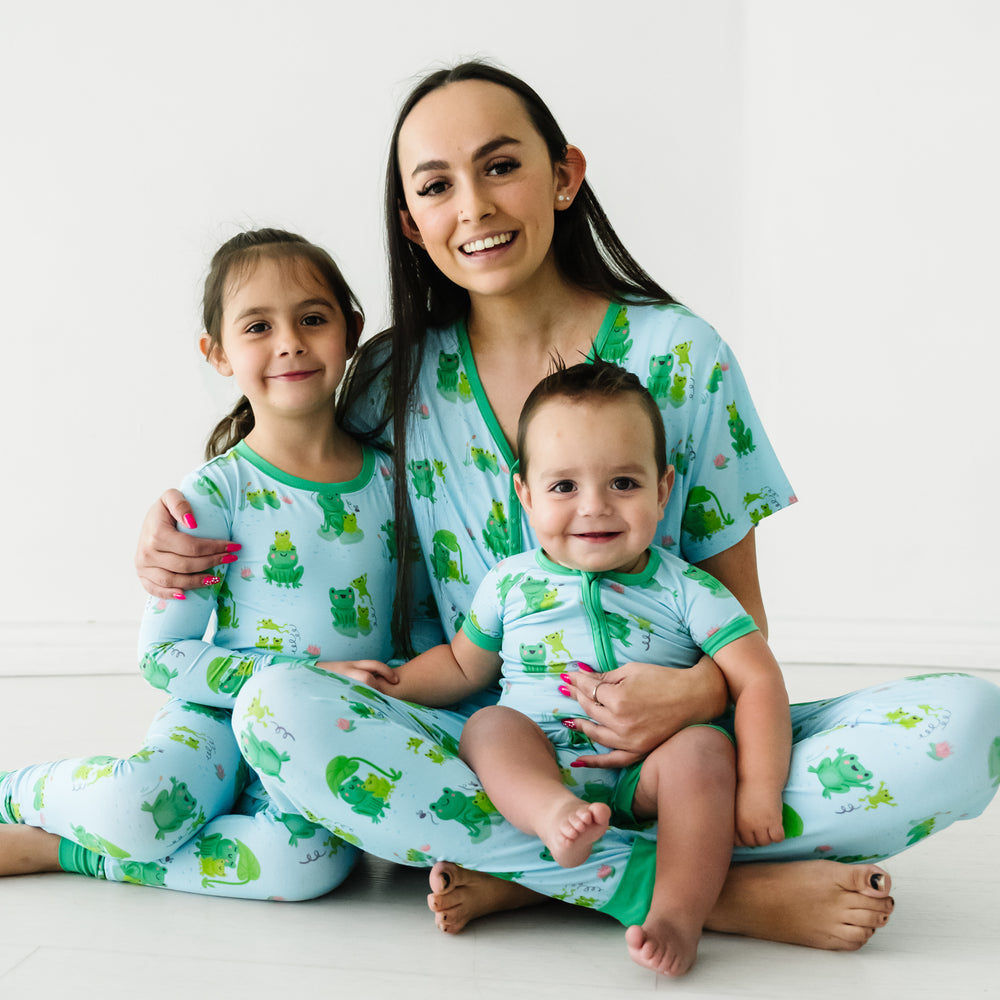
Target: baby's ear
{"points": [[666, 484], [215, 356], [522, 491]]}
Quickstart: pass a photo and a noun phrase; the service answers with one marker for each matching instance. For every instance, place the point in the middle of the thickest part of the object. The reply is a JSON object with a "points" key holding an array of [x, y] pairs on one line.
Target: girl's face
{"points": [[285, 340], [481, 190]]}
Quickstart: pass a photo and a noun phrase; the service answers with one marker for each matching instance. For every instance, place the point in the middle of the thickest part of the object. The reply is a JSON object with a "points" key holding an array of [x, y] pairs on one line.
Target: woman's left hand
{"points": [[640, 705]]}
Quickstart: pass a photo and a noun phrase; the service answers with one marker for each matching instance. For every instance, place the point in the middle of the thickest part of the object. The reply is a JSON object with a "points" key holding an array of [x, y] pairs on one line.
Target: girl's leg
{"points": [[138, 809], [689, 782], [385, 775], [517, 766], [254, 853]]}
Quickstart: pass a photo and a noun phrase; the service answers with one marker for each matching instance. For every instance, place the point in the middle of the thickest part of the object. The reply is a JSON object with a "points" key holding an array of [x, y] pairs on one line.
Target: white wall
{"points": [[793, 171]]}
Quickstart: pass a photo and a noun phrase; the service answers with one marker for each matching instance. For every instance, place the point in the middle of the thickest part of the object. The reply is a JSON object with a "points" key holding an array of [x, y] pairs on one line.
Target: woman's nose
{"points": [[475, 204]]}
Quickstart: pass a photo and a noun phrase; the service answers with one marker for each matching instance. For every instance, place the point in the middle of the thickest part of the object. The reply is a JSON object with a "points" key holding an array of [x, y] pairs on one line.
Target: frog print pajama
{"points": [[315, 580], [384, 774]]}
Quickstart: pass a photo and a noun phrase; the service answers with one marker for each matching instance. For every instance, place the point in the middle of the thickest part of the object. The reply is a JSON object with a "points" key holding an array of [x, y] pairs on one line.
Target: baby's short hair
{"points": [[598, 380]]}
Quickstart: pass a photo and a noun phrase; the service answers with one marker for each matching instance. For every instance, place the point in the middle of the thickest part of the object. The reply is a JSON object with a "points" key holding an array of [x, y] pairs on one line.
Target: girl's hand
{"points": [[758, 817], [168, 561], [640, 705], [374, 673]]}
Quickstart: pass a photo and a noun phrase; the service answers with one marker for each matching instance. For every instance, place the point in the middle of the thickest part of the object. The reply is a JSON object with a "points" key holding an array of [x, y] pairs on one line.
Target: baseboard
{"points": [[68, 648], [891, 643]]}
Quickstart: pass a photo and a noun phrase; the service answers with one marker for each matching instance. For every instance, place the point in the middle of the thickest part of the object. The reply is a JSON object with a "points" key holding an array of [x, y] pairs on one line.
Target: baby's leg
{"points": [[689, 783], [517, 767]]}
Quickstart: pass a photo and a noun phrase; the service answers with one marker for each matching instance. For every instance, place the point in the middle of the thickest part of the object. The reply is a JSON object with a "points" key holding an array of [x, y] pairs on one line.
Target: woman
{"points": [[500, 257]]}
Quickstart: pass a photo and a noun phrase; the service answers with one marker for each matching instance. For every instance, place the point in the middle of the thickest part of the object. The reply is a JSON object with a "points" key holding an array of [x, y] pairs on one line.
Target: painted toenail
{"points": [[877, 881]]}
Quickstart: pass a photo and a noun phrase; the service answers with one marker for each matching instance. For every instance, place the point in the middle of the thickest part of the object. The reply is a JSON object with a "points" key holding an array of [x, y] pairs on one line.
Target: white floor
{"points": [[64, 935]]}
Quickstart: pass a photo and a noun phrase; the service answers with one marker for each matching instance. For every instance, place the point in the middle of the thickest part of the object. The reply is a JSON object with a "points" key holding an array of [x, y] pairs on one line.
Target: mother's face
{"points": [[481, 190]]}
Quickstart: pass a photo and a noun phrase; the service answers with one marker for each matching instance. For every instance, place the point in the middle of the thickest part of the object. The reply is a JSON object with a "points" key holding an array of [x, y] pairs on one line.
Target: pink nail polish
{"points": [[583, 666], [189, 520], [180, 597], [209, 581], [577, 763], [228, 558], [566, 678], [569, 723], [233, 547], [564, 690]]}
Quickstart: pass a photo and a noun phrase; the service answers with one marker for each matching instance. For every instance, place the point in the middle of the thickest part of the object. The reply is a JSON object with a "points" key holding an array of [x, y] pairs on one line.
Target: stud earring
{"points": [[563, 197]]}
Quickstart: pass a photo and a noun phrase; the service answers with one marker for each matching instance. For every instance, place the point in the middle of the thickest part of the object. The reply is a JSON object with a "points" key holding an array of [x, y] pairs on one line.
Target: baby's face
{"points": [[592, 492]]}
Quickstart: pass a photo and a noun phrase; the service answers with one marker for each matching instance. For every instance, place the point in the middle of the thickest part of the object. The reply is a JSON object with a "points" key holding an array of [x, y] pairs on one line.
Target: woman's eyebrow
{"points": [[484, 150]]}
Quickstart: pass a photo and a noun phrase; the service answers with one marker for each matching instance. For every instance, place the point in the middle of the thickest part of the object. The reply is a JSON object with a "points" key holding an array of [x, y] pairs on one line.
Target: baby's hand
{"points": [[371, 672], [758, 817]]}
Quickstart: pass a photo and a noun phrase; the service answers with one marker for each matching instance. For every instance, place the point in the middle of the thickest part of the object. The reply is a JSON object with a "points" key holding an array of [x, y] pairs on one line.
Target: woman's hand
{"points": [[168, 561], [640, 705]]}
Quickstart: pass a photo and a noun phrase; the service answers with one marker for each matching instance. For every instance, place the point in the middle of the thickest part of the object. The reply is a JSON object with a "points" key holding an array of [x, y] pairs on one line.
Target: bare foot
{"points": [[572, 829], [819, 904], [25, 850], [459, 896], [663, 946]]}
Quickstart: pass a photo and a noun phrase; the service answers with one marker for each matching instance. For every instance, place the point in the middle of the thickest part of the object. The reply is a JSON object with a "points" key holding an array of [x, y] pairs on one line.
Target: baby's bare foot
{"points": [[459, 896], [25, 850], [819, 904], [663, 946], [572, 829]]}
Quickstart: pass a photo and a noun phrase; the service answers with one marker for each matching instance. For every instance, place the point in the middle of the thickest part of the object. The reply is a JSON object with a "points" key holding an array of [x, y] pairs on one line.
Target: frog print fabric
{"points": [[314, 581]]}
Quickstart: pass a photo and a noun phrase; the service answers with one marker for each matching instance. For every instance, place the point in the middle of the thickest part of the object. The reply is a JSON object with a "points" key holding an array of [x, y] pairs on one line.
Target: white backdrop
{"points": [[818, 180]]}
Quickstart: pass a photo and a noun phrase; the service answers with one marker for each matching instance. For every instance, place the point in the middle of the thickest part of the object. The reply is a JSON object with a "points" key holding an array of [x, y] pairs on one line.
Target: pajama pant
{"points": [[183, 812], [872, 772]]}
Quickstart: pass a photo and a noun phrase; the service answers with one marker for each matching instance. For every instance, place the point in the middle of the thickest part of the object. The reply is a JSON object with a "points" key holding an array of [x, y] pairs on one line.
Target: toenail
{"points": [[877, 881]]}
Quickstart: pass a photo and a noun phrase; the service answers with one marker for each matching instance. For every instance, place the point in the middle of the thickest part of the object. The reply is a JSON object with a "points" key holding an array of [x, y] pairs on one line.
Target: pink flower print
{"points": [[246, 573], [345, 725], [793, 499], [824, 849], [724, 366], [286, 499], [425, 849], [617, 588], [667, 541], [312, 650], [605, 872], [711, 631], [220, 772], [160, 606], [720, 461], [424, 412], [939, 751]]}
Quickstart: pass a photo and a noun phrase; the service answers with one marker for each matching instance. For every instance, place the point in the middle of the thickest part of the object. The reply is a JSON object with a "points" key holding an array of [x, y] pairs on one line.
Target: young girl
{"points": [[594, 481], [500, 255], [310, 510]]}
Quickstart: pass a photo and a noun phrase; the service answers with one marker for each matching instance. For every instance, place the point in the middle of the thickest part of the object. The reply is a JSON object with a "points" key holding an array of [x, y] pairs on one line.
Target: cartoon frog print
{"points": [[443, 566], [714, 378], [497, 533], [281, 568], [342, 604], [683, 354], [842, 774], [741, 434], [352, 533], [332, 505], [706, 580], [368, 798], [261, 755], [485, 460], [677, 394], [533, 657], [474, 813], [538, 595], [618, 627], [423, 478], [225, 608], [658, 383], [617, 344], [171, 809], [143, 873], [159, 675], [555, 641], [207, 487], [447, 375], [701, 521]]}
